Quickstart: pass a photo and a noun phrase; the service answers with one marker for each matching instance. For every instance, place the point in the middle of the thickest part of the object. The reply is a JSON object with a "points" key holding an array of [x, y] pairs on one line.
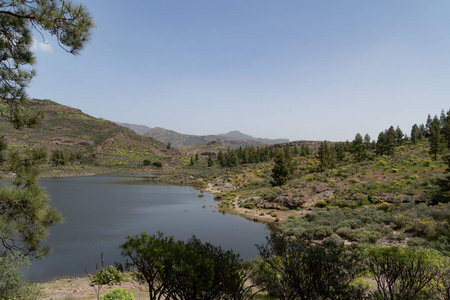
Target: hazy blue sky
{"points": [[303, 70]]}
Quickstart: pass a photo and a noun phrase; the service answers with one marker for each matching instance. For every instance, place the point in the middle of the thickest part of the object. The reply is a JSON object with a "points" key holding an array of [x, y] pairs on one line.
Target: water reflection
{"points": [[100, 211]]}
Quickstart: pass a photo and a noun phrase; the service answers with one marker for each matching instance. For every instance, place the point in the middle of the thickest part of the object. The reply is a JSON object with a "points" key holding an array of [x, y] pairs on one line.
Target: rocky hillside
{"points": [[81, 135]]}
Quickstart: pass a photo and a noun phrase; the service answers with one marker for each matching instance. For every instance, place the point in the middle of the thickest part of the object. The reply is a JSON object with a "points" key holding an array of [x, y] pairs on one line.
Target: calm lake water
{"points": [[100, 211]]}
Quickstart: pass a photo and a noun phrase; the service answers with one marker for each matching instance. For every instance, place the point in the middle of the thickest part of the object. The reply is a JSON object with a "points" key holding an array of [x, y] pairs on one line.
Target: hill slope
{"points": [[73, 131]]}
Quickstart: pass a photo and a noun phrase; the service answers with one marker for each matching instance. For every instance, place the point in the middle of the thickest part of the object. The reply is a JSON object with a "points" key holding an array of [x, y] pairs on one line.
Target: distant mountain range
{"points": [[232, 139]]}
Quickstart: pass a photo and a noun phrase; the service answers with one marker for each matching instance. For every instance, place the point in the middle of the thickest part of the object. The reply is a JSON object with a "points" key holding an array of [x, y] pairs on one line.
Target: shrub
{"points": [[321, 204], [118, 294], [249, 205], [402, 273], [384, 206], [293, 269], [107, 275], [191, 270], [147, 162], [345, 233], [157, 164], [12, 285]]}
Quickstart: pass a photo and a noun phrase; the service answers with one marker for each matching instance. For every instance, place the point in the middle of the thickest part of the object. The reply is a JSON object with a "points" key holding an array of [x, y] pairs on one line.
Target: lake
{"points": [[100, 211]]}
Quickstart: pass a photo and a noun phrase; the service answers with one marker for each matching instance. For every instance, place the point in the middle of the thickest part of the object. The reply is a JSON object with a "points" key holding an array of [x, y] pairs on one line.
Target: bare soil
{"points": [[80, 288]]}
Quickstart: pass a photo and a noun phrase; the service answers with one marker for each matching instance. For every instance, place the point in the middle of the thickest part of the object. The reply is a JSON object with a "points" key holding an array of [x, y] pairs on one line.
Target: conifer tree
{"points": [[415, 134], [280, 172], [327, 156], [25, 214], [436, 139], [399, 136], [359, 148], [428, 123], [367, 141], [446, 130]]}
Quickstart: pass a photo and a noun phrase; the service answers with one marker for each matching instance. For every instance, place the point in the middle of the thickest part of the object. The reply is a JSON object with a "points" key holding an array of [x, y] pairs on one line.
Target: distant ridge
{"points": [[232, 139], [239, 135], [139, 129]]}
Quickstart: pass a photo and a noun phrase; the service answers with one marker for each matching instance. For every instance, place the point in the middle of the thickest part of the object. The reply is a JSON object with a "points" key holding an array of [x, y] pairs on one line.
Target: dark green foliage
{"points": [[304, 150], [359, 148], [386, 142], [210, 161], [157, 164], [436, 140], [442, 192], [146, 162], [247, 155], [367, 141], [24, 211], [25, 214], [59, 157], [12, 285], [280, 171], [296, 269], [401, 273], [399, 136], [416, 135], [446, 129], [340, 151], [327, 156], [186, 270]]}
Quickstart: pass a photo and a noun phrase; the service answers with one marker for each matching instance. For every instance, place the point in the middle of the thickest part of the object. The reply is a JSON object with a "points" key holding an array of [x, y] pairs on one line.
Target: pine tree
{"points": [[436, 139], [25, 214], [446, 130], [280, 171], [327, 156], [367, 141], [359, 148], [428, 123], [399, 136], [415, 134]]}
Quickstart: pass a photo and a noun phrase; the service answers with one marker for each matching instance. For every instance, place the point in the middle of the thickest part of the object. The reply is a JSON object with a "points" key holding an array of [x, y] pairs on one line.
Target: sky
{"points": [[302, 70]]}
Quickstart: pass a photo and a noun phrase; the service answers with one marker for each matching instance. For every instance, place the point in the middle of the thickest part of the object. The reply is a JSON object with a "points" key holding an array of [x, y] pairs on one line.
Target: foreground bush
{"points": [[118, 294], [296, 269], [12, 285], [186, 270], [404, 273]]}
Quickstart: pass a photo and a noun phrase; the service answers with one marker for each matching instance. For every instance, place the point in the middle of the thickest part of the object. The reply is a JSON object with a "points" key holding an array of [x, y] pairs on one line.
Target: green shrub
{"points": [[345, 233], [157, 164], [12, 285], [107, 275], [321, 203], [147, 162], [384, 206], [118, 294], [249, 205]]}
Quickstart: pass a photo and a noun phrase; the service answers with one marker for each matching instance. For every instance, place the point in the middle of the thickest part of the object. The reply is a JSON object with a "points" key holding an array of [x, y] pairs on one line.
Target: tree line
{"points": [[436, 132]]}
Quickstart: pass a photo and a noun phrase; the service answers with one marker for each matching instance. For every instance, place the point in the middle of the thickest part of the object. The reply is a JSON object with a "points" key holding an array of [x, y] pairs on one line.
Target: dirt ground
{"points": [[80, 289]]}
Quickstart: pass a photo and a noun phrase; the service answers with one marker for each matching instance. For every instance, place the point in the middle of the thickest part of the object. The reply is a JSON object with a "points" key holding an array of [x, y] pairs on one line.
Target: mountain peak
{"points": [[236, 134]]}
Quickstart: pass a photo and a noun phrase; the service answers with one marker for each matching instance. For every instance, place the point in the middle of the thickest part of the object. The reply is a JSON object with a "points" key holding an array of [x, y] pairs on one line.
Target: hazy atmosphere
{"points": [[303, 70]]}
